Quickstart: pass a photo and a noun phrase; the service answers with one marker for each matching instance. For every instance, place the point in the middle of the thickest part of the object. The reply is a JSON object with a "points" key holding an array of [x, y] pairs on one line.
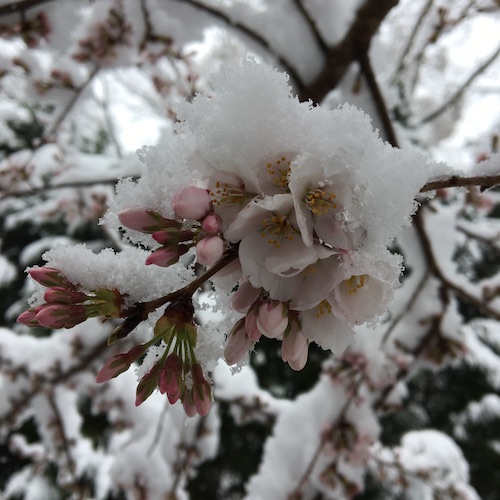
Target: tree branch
{"points": [[436, 270], [312, 25], [260, 40], [356, 42], [486, 181], [14, 7], [456, 96], [378, 98]]}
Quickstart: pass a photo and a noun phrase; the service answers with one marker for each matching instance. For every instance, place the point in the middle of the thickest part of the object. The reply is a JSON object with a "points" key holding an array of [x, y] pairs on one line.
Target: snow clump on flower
{"points": [[309, 197]]}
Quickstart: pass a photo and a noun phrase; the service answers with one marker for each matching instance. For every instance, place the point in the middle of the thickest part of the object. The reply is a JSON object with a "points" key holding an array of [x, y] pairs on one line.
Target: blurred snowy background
{"points": [[410, 411]]}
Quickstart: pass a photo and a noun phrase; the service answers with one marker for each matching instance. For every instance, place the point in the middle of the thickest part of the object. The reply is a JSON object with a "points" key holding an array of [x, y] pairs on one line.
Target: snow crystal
{"points": [[124, 271]]}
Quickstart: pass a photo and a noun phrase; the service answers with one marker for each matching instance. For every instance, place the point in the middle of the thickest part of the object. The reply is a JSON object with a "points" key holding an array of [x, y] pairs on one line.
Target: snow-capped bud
{"points": [[244, 297], [162, 257], [209, 250], [48, 276], [119, 363], [60, 295], [238, 343], [28, 317], [273, 319], [61, 315], [211, 224], [145, 221], [147, 385], [191, 203], [170, 380]]}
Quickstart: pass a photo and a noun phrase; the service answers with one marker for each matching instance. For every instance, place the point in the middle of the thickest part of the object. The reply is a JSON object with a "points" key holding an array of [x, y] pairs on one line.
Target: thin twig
{"points": [[260, 40], [378, 98], [436, 270], [13, 7], [312, 25], [456, 96], [85, 360], [487, 181], [412, 36]]}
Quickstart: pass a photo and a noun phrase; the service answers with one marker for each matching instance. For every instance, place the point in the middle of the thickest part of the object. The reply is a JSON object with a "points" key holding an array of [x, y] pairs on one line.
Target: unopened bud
{"points": [[191, 203], [209, 250], [60, 295], [273, 319], [61, 315]]}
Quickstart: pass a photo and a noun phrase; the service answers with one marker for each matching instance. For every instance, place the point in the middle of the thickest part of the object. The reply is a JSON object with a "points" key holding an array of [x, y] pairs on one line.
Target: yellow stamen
{"points": [[279, 171], [276, 228], [354, 283], [323, 307], [228, 194], [320, 202]]}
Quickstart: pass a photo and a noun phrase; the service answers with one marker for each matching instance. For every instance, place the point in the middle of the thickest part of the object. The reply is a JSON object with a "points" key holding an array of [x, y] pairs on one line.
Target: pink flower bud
{"points": [[294, 343], [147, 385], [244, 297], [212, 224], [59, 295], [171, 375], [61, 315], [191, 203], [163, 257], [209, 250], [48, 276], [273, 319], [145, 221], [251, 325], [238, 343], [300, 362], [201, 393], [119, 363], [28, 317], [188, 405]]}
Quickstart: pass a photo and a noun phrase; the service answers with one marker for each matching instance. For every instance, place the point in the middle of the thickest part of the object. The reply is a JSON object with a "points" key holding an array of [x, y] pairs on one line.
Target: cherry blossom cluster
{"points": [[289, 215]]}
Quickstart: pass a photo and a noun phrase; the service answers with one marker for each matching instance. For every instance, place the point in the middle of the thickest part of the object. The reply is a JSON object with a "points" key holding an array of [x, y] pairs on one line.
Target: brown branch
{"points": [[63, 185], [356, 384], [412, 36], [312, 25], [356, 42], [260, 40], [14, 7], [486, 181], [456, 96], [378, 98], [436, 270], [85, 360]]}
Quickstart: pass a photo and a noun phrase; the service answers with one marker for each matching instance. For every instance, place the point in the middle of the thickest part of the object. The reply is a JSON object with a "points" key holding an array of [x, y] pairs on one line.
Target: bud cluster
{"points": [[267, 317], [197, 225], [177, 373], [65, 306]]}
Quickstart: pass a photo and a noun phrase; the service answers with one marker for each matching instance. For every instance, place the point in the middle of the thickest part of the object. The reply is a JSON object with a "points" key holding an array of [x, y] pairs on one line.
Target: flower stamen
{"points": [[276, 228], [320, 202], [279, 172], [228, 194], [354, 284]]}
